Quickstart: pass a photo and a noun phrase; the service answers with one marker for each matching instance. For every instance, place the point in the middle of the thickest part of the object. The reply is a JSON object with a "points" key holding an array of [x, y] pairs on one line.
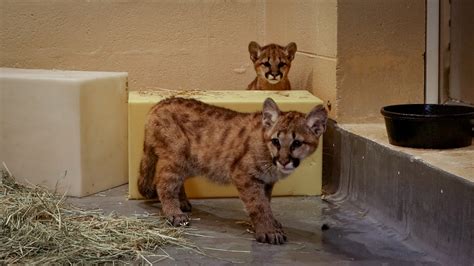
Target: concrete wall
{"points": [[380, 47], [406, 192], [355, 55], [312, 24], [169, 44], [461, 87]]}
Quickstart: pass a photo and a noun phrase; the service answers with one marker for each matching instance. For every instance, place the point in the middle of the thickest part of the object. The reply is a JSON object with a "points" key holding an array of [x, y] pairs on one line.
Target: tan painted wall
{"points": [[461, 87], [355, 55], [312, 24], [170, 44], [380, 56]]}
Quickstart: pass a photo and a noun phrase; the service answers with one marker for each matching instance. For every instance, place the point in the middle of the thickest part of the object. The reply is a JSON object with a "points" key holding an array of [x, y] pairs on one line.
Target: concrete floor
{"points": [[353, 237]]}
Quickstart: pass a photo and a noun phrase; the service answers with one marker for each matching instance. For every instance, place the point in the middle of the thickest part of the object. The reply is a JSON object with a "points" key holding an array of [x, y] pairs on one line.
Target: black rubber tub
{"points": [[432, 126]]}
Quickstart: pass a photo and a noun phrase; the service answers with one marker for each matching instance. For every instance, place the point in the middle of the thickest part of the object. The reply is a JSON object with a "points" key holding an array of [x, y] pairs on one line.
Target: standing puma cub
{"points": [[272, 63], [185, 138]]}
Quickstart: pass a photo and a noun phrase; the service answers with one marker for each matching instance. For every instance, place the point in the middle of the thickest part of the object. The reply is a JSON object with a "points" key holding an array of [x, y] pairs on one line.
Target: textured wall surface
{"points": [[169, 44], [380, 56], [355, 55], [312, 24], [461, 87]]}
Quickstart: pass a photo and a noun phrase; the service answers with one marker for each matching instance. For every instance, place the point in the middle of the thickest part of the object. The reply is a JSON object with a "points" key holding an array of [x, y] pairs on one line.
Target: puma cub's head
{"points": [[272, 61], [291, 136]]}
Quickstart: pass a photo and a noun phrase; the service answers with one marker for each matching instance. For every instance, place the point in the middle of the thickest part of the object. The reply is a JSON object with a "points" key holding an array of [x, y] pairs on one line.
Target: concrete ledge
{"points": [[403, 189]]}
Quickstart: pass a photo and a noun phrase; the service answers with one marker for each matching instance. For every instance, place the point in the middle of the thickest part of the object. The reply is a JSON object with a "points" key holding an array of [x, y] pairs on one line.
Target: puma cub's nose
{"points": [[285, 163]]}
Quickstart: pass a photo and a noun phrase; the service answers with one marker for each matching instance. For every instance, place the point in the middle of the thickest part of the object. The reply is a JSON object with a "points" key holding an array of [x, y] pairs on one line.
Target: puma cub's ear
{"points": [[317, 119], [270, 113], [254, 50], [291, 50]]}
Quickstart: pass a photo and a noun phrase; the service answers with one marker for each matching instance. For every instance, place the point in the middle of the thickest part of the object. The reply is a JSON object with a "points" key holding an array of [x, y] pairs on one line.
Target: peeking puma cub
{"points": [[272, 63], [185, 138]]}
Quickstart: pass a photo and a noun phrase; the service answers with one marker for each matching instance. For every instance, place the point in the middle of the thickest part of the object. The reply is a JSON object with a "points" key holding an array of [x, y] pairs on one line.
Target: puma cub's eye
{"points": [[281, 64], [296, 144], [276, 143], [267, 64]]}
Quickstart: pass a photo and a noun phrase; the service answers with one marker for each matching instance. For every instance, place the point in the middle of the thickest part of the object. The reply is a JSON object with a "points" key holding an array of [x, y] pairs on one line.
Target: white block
{"points": [[65, 127]]}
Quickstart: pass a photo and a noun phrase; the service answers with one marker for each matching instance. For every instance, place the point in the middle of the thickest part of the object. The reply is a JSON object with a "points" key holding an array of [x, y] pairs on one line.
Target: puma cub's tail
{"points": [[146, 186]]}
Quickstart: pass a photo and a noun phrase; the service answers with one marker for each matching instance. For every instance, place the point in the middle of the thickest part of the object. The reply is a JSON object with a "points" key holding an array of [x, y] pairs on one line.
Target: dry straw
{"points": [[170, 93], [37, 226]]}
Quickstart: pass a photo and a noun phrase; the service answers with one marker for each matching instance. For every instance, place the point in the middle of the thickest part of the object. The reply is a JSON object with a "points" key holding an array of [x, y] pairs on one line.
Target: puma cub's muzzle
{"points": [[273, 78], [287, 167]]}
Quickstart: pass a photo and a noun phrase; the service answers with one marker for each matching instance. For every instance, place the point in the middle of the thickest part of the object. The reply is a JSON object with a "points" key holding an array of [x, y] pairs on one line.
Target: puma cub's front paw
{"points": [[271, 235], [277, 224], [179, 219]]}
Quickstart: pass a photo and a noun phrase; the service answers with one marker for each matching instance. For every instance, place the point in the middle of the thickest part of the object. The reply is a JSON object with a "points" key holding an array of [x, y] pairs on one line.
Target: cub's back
{"points": [[193, 115], [203, 133]]}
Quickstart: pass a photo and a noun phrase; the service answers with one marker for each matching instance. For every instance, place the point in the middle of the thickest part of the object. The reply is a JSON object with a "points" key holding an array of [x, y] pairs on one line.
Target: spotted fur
{"points": [[185, 138], [272, 63]]}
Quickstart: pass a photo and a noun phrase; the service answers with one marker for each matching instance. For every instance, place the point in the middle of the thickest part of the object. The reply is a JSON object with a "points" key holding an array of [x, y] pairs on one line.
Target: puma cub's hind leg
{"points": [[184, 203], [169, 190]]}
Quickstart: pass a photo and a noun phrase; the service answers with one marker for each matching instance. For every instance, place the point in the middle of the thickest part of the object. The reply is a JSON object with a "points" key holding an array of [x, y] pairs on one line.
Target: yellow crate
{"points": [[306, 180]]}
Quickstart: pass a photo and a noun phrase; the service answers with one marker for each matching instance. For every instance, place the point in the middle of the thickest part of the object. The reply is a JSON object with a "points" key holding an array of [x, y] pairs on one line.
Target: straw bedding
{"points": [[38, 226]]}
